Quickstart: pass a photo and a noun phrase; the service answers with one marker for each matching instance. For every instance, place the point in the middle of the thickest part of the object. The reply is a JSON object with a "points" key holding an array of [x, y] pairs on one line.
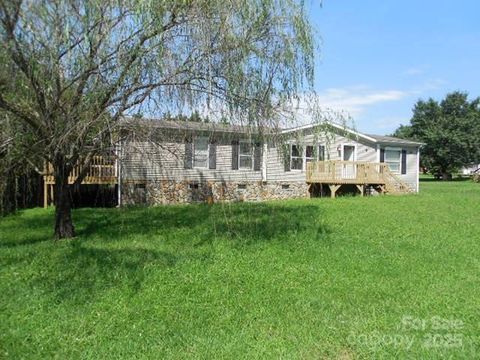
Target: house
{"points": [[185, 162], [470, 170], [191, 161]]}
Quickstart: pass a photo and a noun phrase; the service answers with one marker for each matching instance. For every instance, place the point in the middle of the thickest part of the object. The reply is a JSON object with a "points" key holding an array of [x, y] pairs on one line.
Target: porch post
{"points": [[51, 194], [333, 190], [45, 193], [361, 189]]}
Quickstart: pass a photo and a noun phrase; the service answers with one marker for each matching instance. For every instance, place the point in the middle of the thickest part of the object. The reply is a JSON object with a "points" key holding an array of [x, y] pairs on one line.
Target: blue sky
{"points": [[376, 58]]}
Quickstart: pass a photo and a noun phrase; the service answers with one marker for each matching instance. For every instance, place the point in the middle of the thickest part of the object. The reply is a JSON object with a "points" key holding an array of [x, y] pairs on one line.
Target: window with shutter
{"points": [[321, 152], [393, 159], [286, 157], [404, 162], [245, 155], [235, 151], [188, 161], [200, 152], [296, 162], [212, 155], [257, 157], [309, 153]]}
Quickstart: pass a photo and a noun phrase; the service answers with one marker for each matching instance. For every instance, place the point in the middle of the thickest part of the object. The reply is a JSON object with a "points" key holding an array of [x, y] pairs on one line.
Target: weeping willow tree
{"points": [[73, 68]]}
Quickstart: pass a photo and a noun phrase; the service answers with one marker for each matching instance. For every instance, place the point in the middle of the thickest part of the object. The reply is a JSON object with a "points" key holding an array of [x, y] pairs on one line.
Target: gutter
{"points": [[119, 175]]}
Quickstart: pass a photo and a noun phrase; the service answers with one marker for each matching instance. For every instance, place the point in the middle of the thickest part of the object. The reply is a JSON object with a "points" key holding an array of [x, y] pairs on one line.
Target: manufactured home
{"points": [[185, 162]]}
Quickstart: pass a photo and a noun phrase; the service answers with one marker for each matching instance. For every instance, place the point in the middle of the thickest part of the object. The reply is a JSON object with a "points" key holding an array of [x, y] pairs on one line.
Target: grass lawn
{"points": [[346, 278]]}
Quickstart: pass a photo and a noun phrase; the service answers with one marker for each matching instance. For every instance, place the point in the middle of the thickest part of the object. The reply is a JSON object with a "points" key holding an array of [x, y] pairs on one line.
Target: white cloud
{"points": [[414, 71], [387, 123], [351, 103], [429, 85], [356, 99]]}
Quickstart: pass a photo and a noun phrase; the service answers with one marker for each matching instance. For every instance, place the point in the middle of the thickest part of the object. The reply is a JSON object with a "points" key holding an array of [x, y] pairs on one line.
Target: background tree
{"points": [[403, 132], [72, 68], [451, 131], [20, 182]]}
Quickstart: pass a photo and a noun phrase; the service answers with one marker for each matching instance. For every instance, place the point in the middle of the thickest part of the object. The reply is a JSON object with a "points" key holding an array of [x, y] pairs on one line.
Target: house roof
{"points": [[378, 139], [195, 126], [393, 140], [245, 129]]}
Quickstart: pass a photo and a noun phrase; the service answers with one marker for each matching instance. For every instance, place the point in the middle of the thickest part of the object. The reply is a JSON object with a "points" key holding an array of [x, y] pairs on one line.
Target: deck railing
{"points": [[346, 172], [336, 172], [102, 170]]}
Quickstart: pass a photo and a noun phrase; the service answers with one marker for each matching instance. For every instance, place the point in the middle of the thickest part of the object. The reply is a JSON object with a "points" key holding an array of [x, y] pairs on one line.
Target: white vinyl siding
{"points": [[412, 169], [146, 161], [366, 151]]}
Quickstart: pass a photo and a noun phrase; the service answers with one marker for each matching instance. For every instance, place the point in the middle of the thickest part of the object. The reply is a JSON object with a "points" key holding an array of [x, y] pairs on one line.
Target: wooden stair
{"points": [[393, 184], [336, 173]]}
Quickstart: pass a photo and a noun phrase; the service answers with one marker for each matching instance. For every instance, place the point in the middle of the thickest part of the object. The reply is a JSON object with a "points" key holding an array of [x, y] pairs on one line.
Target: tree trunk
{"points": [[446, 176], [64, 228]]}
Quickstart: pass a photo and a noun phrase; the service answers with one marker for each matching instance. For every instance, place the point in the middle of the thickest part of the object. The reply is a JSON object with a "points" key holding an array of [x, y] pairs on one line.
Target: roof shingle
{"points": [[393, 140]]}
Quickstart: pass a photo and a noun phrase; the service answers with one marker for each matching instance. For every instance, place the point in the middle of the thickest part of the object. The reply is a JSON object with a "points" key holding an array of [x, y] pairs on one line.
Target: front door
{"points": [[349, 168]]}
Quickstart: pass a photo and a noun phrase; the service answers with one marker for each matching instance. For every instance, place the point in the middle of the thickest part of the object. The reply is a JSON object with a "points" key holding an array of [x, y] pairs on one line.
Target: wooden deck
{"points": [[102, 170], [337, 173]]}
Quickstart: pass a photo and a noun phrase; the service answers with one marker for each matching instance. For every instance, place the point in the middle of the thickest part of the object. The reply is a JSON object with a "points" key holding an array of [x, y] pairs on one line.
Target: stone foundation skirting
{"points": [[183, 192]]}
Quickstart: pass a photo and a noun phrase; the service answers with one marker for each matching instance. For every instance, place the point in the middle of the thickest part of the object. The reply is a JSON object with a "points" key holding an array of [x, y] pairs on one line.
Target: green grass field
{"points": [[348, 278]]}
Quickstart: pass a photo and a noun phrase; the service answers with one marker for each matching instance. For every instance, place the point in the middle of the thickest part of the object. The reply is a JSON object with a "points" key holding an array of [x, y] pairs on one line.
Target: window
{"points": [[299, 155], [285, 186], [140, 194], [200, 149], [242, 186], [193, 186], [296, 162], [309, 153], [245, 155], [393, 159], [321, 152]]}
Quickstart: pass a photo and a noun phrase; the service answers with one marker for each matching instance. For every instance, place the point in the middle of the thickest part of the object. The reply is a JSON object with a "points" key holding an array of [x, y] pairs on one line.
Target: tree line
{"points": [[450, 129]]}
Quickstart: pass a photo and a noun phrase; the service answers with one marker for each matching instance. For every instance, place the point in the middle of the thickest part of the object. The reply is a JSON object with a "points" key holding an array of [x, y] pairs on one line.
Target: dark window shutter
{"points": [[212, 155], [382, 155], [257, 157], [188, 161], [286, 157], [404, 162], [321, 153], [235, 150]]}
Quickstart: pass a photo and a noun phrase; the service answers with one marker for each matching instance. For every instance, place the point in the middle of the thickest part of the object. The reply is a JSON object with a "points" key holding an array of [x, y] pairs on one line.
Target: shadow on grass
{"points": [[242, 223], [116, 247], [455, 179], [26, 227], [86, 272]]}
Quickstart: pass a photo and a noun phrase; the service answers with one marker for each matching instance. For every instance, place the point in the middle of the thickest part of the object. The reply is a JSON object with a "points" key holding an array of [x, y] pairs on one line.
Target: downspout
{"points": [[418, 169], [119, 174], [264, 162]]}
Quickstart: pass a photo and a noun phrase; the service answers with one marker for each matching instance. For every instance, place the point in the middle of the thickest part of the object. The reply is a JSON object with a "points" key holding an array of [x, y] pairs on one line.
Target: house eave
{"points": [[332, 124]]}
